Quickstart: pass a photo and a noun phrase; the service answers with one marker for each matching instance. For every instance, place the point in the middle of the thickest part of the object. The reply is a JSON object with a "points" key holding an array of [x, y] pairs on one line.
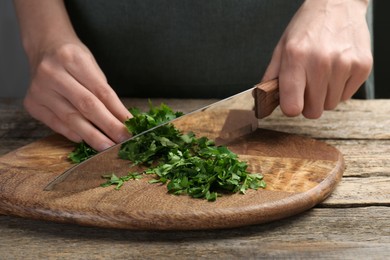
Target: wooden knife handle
{"points": [[266, 97]]}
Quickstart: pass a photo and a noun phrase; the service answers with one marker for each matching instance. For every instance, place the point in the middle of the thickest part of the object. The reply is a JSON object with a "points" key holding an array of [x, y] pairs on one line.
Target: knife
{"points": [[222, 121]]}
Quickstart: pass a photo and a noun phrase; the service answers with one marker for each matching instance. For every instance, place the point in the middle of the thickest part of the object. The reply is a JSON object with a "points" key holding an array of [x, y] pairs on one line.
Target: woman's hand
{"points": [[323, 57], [68, 91], [70, 94]]}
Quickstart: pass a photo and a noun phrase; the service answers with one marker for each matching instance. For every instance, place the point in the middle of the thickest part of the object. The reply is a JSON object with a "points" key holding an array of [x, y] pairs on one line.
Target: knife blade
{"points": [[221, 121]]}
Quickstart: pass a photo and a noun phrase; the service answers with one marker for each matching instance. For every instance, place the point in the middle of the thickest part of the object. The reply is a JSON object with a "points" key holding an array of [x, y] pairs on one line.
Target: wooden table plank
{"points": [[353, 233], [354, 119], [353, 192], [365, 158]]}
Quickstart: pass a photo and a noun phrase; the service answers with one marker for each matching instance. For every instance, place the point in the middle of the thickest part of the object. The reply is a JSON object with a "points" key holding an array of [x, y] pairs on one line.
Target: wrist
{"points": [[44, 24]]}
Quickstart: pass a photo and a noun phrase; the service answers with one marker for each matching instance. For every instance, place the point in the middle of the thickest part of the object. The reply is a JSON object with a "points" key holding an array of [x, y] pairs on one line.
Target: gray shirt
{"points": [[181, 48]]}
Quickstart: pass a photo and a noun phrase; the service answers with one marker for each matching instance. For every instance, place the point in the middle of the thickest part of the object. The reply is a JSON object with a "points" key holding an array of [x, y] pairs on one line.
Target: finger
{"points": [[335, 91], [292, 83], [85, 70], [318, 73], [65, 115], [315, 95], [63, 118], [359, 73], [47, 117], [341, 71], [91, 108], [351, 86]]}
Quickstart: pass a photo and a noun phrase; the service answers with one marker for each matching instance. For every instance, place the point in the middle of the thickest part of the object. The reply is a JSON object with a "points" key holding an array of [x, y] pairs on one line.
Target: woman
{"points": [[83, 54]]}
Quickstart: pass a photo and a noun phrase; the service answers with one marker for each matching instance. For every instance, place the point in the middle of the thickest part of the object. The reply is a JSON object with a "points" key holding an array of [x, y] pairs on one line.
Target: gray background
{"points": [[14, 71], [14, 75]]}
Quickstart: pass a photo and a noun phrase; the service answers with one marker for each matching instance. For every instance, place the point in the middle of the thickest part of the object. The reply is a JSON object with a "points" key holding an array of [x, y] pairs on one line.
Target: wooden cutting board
{"points": [[300, 172]]}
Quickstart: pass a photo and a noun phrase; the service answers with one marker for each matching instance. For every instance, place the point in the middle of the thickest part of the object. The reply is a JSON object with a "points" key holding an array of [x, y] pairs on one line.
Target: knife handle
{"points": [[266, 97]]}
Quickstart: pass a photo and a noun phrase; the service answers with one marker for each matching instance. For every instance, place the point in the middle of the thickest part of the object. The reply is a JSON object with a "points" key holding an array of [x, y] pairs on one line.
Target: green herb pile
{"points": [[187, 164]]}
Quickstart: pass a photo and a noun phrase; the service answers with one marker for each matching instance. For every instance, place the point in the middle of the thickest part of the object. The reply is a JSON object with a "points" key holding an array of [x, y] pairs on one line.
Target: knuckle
{"points": [[366, 62], [320, 58], [87, 104], [70, 117], [45, 67], [97, 141], [361, 63], [104, 94], [91, 136], [70, 53], [295, 50], [66, 53], [342, 61], [73, 137]]}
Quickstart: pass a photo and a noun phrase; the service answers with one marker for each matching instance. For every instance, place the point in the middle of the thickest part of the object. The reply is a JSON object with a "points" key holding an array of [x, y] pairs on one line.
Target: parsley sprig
{"points": [[185, 163]]}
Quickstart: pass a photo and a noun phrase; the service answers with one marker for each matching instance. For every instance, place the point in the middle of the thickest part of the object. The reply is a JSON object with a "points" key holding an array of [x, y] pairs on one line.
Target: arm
{"points": [[68, 91], [323, 57]]}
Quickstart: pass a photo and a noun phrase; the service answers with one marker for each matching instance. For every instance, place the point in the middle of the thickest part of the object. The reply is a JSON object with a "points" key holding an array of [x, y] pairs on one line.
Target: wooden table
{"points": [[353, 223]]}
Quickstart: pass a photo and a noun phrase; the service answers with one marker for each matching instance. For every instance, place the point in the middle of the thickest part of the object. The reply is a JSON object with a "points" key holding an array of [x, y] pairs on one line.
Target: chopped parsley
{"points": [[81, 153], [185, 163]]}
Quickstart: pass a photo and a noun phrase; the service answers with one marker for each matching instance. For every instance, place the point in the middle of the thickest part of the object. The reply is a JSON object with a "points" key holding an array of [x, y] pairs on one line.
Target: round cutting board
{"points": [[300, 172]]}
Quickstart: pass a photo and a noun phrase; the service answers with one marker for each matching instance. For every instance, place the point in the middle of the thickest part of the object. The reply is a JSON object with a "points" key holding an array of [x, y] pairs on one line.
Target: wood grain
{"points": [[266, 98], [300, 173]]}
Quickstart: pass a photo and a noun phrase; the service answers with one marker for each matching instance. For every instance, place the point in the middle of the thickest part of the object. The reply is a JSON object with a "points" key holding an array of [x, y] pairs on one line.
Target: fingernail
{"points": [[105, 146], [124, 137]]}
